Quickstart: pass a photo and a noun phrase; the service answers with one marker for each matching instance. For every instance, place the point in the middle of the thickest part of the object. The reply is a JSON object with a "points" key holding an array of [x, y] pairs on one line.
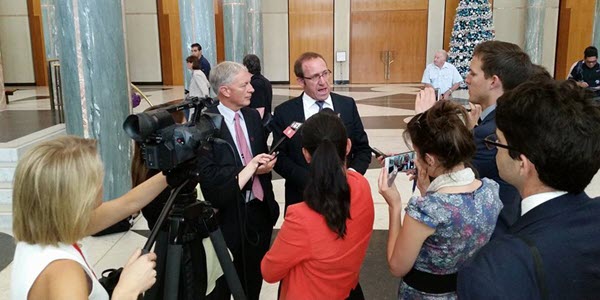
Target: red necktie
{"points": [[246, 155]]}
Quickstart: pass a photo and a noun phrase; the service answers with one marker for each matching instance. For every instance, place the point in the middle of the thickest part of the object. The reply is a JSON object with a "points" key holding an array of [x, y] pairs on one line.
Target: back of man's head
{"points": [[556, 125], [224, 73], [505, 60], [590, 51]]}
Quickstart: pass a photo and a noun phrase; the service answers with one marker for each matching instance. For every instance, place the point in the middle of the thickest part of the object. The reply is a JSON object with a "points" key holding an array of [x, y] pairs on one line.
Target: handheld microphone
{"points": [[288, 133]]}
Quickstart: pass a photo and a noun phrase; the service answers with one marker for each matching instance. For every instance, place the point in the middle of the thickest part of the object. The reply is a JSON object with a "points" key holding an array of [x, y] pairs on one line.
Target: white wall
{"points": [[510, 22], [143, 52], [275, 64], [435, 29], [15, 42], [341, 35]]}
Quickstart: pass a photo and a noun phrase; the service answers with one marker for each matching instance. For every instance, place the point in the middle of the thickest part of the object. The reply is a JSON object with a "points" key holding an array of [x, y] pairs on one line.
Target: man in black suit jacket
{"points": [[548, 148], [496, 67], [227, 180], [313, 75]]}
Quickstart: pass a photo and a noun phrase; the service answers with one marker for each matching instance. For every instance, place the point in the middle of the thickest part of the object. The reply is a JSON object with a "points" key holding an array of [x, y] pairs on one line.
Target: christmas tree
{"points": [[472, 25]]}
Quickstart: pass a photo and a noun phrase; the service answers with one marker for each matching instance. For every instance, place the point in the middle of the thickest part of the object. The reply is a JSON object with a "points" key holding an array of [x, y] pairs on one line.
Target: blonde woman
{"points": [[57, 201]]}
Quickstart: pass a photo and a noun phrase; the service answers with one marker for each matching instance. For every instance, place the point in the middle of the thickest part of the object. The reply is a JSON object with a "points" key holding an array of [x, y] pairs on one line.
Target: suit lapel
{"points": [[226, 135], [251, 127], [299, 108]]}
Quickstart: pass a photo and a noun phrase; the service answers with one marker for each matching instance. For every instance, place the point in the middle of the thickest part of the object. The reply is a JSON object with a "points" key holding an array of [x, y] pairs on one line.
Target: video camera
{"points": [[166, 144]]}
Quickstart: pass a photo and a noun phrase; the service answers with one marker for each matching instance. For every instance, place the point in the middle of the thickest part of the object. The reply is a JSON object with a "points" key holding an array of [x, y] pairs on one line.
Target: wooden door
{"points": [[310, 29], [378, 26], [575, 26]]}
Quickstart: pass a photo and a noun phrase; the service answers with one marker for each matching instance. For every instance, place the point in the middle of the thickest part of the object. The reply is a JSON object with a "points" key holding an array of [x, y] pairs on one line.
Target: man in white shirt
{"points": [[548, 141], [442, 76]]}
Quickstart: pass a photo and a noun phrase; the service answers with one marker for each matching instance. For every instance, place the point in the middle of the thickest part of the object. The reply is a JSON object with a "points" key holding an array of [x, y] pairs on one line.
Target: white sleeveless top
{"points": [[30, 260]]}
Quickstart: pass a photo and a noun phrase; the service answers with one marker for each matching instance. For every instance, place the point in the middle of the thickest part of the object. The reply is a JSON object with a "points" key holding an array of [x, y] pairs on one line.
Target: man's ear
{"points": [[307, 156], [526, 167], [300, 81], [496, 82], [348, 146], [224, 90]]}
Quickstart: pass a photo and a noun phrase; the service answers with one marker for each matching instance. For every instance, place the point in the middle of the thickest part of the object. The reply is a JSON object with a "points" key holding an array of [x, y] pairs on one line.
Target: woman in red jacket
{"points": [[323, 240]]}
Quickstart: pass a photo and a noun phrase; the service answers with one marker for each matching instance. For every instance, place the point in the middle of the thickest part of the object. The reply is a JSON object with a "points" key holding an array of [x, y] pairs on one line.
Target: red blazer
{"points": [[309, 258]]}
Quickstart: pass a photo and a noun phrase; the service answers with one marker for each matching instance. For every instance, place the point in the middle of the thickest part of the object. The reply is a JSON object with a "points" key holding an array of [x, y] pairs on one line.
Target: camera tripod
{"points": [[179, 249]]}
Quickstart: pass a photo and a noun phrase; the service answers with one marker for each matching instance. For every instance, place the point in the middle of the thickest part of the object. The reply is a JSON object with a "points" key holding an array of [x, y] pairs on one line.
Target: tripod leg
{"points": [[173, 270], [235, 286], [154, 293]]}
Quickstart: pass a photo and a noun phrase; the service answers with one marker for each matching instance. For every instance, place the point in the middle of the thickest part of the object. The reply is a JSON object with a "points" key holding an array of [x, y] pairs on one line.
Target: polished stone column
{"points": [[596, 41], [197, 22], [235, 14], [95, 84], [2, 96], [536, 10], [254, 42], [50, 28]]}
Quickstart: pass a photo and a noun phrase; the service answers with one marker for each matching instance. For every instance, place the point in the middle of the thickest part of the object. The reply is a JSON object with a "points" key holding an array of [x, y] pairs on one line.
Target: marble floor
{"points": [[384, 110]]}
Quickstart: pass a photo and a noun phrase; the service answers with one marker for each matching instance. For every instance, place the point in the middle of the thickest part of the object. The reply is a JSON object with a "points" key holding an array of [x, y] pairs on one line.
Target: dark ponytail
{"points": [[327, 191]]}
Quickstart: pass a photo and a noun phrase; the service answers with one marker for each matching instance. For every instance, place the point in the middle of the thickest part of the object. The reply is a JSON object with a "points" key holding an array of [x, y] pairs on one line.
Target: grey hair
{"points": [[224, 73], [443, 52]]}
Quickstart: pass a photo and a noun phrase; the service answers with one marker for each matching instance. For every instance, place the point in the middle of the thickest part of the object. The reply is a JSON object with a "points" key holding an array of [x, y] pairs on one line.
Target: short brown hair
{"points": [[56, 188], [505, 60], [304, 57]]}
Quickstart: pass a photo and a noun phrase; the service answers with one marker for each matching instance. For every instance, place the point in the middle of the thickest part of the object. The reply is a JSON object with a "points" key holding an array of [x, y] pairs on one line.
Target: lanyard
{"points": [[79, 250]]}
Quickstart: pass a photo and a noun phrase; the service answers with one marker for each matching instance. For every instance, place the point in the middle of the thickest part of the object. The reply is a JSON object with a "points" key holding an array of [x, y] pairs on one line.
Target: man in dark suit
{"points": [[548, 148], [313, 76], [236, 178], [496, 67]]}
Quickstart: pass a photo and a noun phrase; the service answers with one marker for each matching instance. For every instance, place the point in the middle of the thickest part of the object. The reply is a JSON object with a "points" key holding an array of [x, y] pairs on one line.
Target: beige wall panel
{"points": [[341, 70], [435, 28], [275, 63]]}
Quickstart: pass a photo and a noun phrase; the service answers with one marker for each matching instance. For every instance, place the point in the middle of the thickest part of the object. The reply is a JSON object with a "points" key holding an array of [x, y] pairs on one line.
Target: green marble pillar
{"points": [[50, 28], [235, 22], [534, 33], [255, 37], [95, 83], [197, 23]]}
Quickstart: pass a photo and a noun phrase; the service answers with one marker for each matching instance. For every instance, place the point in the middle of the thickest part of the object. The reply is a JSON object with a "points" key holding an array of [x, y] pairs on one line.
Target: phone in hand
{"points": [[378, 152], [399, 163]]}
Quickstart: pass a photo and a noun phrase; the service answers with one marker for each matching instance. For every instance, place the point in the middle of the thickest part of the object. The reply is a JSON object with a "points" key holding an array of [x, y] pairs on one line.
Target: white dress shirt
{"points": [[311, 107], [532, 201]]}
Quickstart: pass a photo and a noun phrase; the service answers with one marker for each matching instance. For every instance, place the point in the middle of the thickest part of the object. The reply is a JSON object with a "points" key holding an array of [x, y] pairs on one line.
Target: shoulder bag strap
{"points": [[538, 264]]}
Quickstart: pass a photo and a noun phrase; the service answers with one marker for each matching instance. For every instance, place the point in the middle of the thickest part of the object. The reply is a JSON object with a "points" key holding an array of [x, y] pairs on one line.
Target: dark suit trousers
{"points": [[257, 239]]}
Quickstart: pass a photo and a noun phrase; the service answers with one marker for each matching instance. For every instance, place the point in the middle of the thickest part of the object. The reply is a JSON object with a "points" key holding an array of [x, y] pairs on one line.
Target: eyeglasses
{"points": [[325, 75], [491, 142]]}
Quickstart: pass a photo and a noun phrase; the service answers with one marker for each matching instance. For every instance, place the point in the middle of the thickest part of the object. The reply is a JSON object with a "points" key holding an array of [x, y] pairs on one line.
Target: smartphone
{"points": [[378, 152], [399, 163]]}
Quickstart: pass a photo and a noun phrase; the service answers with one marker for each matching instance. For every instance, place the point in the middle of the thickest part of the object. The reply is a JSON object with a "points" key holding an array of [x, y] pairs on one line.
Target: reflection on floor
{"points": [[384, 110]]}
